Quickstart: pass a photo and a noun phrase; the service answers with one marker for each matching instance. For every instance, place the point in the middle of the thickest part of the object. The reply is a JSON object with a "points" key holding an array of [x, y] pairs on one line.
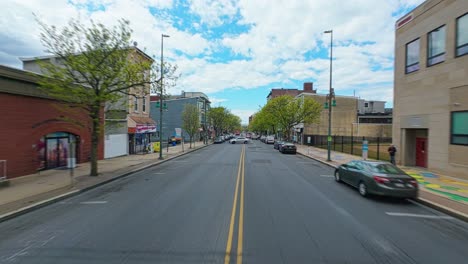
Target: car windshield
{"points": [[386, 168]]}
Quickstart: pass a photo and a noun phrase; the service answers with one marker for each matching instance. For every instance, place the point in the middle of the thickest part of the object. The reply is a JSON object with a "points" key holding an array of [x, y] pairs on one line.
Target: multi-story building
{"points": [[128, 125], [172, 115], [430, 125]]}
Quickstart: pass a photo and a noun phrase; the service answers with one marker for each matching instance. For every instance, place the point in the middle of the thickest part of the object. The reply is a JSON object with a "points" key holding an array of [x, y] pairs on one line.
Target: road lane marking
{"points": [[227, 257], [327, 176], [160, 173], [240, 234], [94, 202], [419, 215]]}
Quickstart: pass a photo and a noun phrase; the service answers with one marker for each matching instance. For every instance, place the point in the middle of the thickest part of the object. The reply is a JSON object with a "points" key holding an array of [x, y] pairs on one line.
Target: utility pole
{"points": [[330, 95], [161, 98]]}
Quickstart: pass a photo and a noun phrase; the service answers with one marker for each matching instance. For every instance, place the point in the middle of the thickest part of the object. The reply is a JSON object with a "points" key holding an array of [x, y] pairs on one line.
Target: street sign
{"points": [[329, 139]]}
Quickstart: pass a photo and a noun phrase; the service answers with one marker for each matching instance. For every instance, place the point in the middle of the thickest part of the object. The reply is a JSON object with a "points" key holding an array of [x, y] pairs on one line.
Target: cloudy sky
{"points": [[236, 51]]}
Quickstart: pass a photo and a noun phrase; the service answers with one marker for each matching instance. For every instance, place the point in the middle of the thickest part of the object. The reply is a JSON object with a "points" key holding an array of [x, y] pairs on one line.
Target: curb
{"points": [[433, 205], [442, 208], [321, 161], [64, 196]]}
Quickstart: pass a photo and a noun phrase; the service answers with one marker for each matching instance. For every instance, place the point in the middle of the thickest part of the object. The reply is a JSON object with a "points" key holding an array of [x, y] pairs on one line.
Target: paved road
{"points": [[288, 209]]}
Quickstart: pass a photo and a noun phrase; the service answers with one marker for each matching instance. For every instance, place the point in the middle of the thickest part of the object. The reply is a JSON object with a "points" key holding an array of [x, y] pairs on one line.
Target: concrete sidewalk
{"points": [[31, 189], [442, 192]]}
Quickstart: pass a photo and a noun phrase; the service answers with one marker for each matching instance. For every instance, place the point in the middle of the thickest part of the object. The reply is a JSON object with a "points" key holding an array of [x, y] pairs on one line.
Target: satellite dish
{"points": [[135, 43]]}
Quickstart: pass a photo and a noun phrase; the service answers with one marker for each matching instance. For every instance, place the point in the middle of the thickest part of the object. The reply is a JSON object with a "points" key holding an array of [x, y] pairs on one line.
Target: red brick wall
{"points": [[24, 120]]}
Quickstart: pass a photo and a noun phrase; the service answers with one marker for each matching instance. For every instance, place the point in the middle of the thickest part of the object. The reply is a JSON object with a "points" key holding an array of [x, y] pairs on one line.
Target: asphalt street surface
{"points": [[233, 204]]}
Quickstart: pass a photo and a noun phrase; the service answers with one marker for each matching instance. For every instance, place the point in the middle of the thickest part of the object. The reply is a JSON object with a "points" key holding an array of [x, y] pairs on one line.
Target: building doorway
{"points": [[421, 152]]}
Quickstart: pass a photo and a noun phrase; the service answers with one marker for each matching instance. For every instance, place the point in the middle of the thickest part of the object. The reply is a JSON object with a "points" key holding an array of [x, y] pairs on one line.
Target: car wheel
{"points": [[245, 142], [337, 177], [233, 142], [362, 187]]}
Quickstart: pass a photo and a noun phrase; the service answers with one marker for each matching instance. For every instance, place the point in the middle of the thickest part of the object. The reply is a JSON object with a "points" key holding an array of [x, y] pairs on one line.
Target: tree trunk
{"points": [[95, 140], [190, 141]]}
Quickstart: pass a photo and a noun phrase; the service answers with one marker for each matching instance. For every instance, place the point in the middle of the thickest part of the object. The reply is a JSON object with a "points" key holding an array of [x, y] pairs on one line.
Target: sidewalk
{"points": [[27, 190], [439, 191]]}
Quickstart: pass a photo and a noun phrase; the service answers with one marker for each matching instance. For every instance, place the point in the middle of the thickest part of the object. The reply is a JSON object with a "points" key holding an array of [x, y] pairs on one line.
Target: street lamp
{"points": [[161, 97], [329, 97]]}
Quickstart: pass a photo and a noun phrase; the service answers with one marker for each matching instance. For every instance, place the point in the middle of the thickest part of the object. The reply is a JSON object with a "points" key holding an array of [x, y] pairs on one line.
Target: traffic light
{"points": [[326, 105], [164, 106], [333, 102], [158, 104]]}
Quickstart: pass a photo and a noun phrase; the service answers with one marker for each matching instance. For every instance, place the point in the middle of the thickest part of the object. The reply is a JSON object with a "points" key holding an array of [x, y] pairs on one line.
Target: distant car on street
{"points": [[287, 147], [377, 177], [219, 140], [241, 140], [277, 144], [270, 140]]}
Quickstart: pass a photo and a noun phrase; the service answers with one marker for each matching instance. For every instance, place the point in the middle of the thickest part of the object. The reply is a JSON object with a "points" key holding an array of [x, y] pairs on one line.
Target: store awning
{"points": [[141, 124]]}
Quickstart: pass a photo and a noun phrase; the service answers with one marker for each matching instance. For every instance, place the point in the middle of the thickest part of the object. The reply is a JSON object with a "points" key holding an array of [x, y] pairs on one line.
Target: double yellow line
{"points": [[240, 233]]}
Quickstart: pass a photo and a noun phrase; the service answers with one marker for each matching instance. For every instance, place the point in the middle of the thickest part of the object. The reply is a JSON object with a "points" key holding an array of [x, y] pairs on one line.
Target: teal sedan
{"points": [[377, 177]]}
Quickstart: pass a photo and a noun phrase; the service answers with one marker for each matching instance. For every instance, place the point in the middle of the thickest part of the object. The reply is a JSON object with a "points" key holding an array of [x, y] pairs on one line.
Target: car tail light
{"points": [[414, 183], [380, 179]]}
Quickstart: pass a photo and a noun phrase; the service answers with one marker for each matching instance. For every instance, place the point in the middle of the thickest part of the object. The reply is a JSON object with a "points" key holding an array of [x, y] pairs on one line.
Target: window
{"points": [[135, 104], [366, 104], [412, 56], [459, 133], [436, 46], [462, 35], [144, 104]]}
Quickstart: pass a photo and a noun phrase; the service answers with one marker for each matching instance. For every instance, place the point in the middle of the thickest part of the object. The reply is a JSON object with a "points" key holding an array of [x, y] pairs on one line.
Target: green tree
{"points": [[218, 117], [94, 66], [289, 112], [191, 120]]}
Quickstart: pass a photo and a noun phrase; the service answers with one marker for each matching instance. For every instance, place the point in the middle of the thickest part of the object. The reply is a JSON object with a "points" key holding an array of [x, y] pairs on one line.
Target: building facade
{"points": [[347, 120], [128, 125], [38, 132], [172, 115], [431, 87]]}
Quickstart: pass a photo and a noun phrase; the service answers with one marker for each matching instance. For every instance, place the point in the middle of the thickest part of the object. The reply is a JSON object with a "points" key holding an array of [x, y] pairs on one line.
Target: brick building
{"points": [[308, 88], [36, 131]]}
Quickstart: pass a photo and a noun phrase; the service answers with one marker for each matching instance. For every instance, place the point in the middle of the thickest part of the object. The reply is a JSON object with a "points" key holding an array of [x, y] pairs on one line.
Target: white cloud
{"points": [[280, 46], [243, 114], [214, 12], [215, 101]]}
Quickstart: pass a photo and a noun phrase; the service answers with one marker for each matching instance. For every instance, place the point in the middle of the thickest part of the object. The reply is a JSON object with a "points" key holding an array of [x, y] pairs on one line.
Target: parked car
{"points": [[262, 138], [377, 177], [287, 147], [239, 140], [277, 143], [270, 140], [219, 140]]}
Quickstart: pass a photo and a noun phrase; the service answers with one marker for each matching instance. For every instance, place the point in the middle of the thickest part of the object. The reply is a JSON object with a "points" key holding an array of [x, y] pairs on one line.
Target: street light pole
{"points": [[161, 98], [330, 95]]}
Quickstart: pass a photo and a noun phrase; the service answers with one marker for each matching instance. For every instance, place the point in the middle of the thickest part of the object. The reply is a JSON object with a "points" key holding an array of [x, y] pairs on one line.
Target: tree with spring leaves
{"points": [[191, 120], [284, 112], [94, 66]]}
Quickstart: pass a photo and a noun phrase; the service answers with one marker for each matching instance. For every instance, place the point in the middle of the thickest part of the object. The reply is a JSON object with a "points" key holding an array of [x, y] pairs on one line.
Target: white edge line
{"points": [[328, 176], [419, 215]]}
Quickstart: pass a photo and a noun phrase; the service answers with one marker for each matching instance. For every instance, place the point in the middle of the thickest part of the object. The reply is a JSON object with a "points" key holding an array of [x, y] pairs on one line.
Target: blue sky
{"points": [[236, 51]]}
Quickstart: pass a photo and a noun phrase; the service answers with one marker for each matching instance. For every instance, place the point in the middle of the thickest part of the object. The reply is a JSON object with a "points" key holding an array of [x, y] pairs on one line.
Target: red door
{"points": [[421, 152]]}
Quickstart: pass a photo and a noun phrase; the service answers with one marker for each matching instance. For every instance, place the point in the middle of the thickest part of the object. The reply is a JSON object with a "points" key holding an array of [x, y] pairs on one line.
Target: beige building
{"points": [[430, 126], [346, 118]]}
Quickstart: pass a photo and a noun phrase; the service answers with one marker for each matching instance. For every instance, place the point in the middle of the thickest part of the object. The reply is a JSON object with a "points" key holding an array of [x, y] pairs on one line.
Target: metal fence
{"points": [[378, 146]]}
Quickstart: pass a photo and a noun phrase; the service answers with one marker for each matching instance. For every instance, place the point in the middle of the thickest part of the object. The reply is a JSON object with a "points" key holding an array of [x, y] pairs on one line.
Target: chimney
{"points": [[309, 87]]}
